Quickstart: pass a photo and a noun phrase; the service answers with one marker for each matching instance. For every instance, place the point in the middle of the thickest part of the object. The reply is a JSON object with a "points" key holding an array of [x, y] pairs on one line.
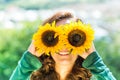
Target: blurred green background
{"points": [[19, 19]]}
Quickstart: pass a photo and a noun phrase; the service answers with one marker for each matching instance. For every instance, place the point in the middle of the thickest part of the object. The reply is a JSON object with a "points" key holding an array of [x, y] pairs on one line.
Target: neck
{"points": [[63, 70]]}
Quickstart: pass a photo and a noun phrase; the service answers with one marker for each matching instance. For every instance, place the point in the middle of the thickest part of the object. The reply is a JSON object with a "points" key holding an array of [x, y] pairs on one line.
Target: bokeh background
{"points": [[19, 19]]}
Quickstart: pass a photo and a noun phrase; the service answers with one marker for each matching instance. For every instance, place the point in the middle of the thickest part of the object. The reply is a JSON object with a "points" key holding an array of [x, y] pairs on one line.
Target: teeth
{"points": [[64, 53]]}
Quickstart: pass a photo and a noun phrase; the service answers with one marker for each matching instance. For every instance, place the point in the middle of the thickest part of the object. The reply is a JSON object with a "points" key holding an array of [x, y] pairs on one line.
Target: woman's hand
{"points": [[33, 50], [88, 51]]}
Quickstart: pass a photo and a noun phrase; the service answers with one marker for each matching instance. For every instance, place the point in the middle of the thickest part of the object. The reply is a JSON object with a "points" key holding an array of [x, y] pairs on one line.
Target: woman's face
{"points": [[64, 56]]}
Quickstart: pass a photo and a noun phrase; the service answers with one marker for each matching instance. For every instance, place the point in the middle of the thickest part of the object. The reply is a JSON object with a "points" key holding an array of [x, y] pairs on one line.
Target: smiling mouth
{"points": [[64, 53]]}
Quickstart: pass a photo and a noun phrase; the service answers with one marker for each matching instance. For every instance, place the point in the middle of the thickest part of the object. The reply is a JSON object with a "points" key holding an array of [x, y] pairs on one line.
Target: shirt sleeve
{"points": [[97, 67], [26, 65]]}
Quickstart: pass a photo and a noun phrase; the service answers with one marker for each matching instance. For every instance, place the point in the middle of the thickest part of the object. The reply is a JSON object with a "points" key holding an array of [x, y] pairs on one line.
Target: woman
{"points": [[62, 65]]}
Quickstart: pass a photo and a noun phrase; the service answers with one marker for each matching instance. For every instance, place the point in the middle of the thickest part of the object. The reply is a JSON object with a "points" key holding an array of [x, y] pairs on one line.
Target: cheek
{"points": [[74, 57], [54, 56]]}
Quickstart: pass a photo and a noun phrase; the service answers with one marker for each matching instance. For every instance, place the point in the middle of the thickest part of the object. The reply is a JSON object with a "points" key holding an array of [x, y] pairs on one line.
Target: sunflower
{"points": [[79, 37], [48, 39]]}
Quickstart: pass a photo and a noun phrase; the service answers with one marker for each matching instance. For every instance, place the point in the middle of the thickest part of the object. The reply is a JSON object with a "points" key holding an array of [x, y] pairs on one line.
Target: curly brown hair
{"points": [[47, 71]]}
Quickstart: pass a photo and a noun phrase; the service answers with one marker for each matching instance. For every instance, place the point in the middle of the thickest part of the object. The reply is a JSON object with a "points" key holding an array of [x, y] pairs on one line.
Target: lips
{"points": [[63, 54]]}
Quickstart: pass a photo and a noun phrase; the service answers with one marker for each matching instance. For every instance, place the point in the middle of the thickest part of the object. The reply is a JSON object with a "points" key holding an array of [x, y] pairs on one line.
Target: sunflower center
{"points": [[76, 38], [48, 38]]}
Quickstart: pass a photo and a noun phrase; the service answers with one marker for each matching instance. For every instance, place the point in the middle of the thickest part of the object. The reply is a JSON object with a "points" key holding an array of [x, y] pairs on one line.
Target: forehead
{"points": [[65, 21]]}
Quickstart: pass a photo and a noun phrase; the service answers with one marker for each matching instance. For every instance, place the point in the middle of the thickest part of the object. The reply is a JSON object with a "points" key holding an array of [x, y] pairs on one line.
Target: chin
{"points": [[65, 62]]}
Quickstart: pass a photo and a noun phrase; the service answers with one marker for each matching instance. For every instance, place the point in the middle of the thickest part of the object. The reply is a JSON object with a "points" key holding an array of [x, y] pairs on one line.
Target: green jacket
{"points": [[28, 63]]}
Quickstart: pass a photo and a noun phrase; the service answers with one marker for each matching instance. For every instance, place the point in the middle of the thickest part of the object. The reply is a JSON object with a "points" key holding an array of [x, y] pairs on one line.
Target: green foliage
{"points": [[13, 43], [44, 4], [109, 50]]}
